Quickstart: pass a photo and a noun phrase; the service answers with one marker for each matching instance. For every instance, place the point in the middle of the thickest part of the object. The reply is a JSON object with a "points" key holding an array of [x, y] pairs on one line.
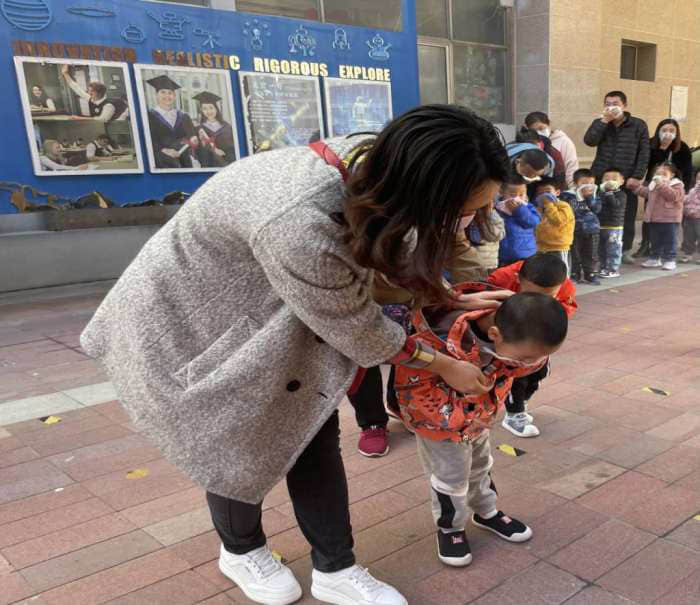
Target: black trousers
{"points": [[368, 400], [523, 389], [319, 492], [630, 220], [584, 254]]}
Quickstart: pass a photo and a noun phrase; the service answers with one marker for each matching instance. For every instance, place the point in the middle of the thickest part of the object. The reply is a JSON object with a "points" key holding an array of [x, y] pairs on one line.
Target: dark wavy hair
{"points": [[655, 141], [417, 175]]}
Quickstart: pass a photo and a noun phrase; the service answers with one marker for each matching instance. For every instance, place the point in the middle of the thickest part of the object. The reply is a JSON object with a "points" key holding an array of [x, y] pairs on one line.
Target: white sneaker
{"points": [[686, 258], [652, 263], [519, 425], [669, 265], [353, 586], [260, 576]]}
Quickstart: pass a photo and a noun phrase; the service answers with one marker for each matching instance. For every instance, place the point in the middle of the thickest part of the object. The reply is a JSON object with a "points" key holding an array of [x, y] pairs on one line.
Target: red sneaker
{"points": [[373, 442]]}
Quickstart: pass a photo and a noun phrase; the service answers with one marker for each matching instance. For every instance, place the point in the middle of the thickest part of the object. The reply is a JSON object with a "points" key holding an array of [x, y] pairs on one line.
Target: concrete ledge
{"points": [[37, 259]]}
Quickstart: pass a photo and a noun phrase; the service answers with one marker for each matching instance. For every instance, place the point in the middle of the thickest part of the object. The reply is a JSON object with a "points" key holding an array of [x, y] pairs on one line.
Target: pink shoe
{"points": [[374, 442]]}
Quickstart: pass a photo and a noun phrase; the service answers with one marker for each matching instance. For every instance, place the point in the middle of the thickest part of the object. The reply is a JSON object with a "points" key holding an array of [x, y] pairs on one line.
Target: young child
{"points": [[612, 222], [691, 223], [664, 213], [555, 233], [485, 237], [520, 218], [452, 428], [586, 205], [546, 274]]}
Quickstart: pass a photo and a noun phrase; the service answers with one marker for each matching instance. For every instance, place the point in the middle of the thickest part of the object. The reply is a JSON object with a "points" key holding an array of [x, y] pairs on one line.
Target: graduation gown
{"points": [[164, 136], [223, 139]]}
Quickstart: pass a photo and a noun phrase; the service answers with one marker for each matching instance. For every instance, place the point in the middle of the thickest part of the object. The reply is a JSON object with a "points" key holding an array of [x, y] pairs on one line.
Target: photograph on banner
{"points": [[79, 116], [188, 118], [356, 106], [280, 111]]}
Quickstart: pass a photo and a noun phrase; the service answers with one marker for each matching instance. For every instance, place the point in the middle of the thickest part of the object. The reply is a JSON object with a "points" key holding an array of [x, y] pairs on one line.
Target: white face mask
{"points": [[545, 132], [614, 110], [586, 191], [611, 185], [534, 179], [667, 136], [513, 363]]}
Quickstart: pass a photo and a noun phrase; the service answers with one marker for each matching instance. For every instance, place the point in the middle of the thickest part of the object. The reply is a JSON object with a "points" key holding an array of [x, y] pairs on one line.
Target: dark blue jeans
{"points": [[662, 237]]}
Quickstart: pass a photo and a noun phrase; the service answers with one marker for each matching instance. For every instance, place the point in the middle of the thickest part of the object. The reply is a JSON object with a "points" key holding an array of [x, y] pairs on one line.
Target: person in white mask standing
{"points": [[621, 140], [667, 146], [539, 121]]}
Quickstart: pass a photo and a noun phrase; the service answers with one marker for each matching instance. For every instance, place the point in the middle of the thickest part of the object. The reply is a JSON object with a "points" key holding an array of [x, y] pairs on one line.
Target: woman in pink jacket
{"points": [[664, 213]]}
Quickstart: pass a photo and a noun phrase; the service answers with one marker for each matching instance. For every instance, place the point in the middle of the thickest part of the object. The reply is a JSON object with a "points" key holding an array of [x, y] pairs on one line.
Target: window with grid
{"points": [[464, 55]]}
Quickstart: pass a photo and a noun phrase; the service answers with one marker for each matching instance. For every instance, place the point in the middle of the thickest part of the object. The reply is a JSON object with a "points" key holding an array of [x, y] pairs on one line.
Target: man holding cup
{"points": [[622, 141]]}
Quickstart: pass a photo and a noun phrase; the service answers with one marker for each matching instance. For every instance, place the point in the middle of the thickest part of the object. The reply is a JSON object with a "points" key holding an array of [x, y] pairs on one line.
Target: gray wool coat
{"points": [[237, 330]]}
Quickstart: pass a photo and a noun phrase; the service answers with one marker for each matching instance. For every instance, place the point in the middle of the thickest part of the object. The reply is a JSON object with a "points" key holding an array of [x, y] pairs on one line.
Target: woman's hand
{"points": [[482, 300], [462, 376]]}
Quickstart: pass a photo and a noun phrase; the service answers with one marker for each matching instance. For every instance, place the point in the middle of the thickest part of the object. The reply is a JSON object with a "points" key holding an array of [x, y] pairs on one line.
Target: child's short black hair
{"points": [[531, 316], [547, 181], [670, 166], [612, 169], [544, 270], [583, 173], [527, 135], [514, 180]]}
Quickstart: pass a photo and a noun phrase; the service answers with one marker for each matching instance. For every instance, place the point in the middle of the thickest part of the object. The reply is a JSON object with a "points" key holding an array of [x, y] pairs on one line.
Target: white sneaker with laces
{"points": [[652, 263], [669, 265], [260, 576], [353, 586], [519, 425]]}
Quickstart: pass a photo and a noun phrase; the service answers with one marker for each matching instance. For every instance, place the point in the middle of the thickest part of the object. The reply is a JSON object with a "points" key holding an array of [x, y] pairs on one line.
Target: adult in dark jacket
{"points": [[667, 146], [623, 141]]}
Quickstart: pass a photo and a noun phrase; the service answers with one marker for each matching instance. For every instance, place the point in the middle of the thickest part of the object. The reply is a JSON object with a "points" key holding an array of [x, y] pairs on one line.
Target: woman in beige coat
{"points": [[237, 330]]}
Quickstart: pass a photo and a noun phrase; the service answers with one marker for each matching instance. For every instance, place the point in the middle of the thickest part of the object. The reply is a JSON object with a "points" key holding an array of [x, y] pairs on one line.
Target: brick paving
{"points": [[91, 513]]}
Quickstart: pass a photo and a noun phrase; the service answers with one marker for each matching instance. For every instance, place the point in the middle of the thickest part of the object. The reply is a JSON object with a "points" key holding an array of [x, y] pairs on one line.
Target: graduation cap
{"points": [[207, 97], [163, 83]]}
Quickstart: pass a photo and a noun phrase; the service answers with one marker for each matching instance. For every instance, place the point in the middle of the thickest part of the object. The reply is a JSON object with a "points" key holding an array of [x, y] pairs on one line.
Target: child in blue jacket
{"points": [[520, 217], [586, 205]]}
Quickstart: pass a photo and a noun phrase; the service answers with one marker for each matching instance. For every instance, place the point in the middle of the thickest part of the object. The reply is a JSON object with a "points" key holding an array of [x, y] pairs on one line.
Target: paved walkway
{"points": [[91, 513]]}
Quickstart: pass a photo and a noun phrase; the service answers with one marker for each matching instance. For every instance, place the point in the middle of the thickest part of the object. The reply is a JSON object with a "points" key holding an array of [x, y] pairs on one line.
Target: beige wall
{"points": [[584, 61]]}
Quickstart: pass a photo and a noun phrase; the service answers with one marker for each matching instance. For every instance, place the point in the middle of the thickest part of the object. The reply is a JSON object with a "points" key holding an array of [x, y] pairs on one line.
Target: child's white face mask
{"points": [[610, 186], [545, 132], [513, 363], [586, 191]]}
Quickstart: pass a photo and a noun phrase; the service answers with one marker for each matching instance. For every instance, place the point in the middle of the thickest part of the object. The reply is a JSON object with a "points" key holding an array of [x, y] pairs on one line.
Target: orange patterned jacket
{"points": [[433, 409]]}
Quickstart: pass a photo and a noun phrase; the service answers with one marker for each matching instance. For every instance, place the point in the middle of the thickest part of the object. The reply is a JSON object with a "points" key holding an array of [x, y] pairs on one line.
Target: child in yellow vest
{"points": [[555, 233]]}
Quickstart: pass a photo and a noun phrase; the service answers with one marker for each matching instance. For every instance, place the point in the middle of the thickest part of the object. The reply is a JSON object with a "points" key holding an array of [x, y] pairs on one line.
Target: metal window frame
{"points": [[450, 43], [320, 9], [635, 71]]}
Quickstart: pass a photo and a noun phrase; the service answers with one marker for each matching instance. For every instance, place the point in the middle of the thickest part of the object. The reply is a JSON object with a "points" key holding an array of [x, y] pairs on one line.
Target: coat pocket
{"points": [[217, 353]]}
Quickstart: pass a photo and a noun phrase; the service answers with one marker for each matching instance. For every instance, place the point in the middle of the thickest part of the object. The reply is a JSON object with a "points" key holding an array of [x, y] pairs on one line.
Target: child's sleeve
{"points": [[595, 204], [505, 278], [559, 215], [526, 216], [567, 297], [672, 193]]}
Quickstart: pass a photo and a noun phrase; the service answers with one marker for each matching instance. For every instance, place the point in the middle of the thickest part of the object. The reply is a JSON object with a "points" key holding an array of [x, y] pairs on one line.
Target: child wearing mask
{"points": [[612, 222], [586, 206], [545, 274], [452, 428], [520, 218], [555, 233], [664, 212], [691, 222]]}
